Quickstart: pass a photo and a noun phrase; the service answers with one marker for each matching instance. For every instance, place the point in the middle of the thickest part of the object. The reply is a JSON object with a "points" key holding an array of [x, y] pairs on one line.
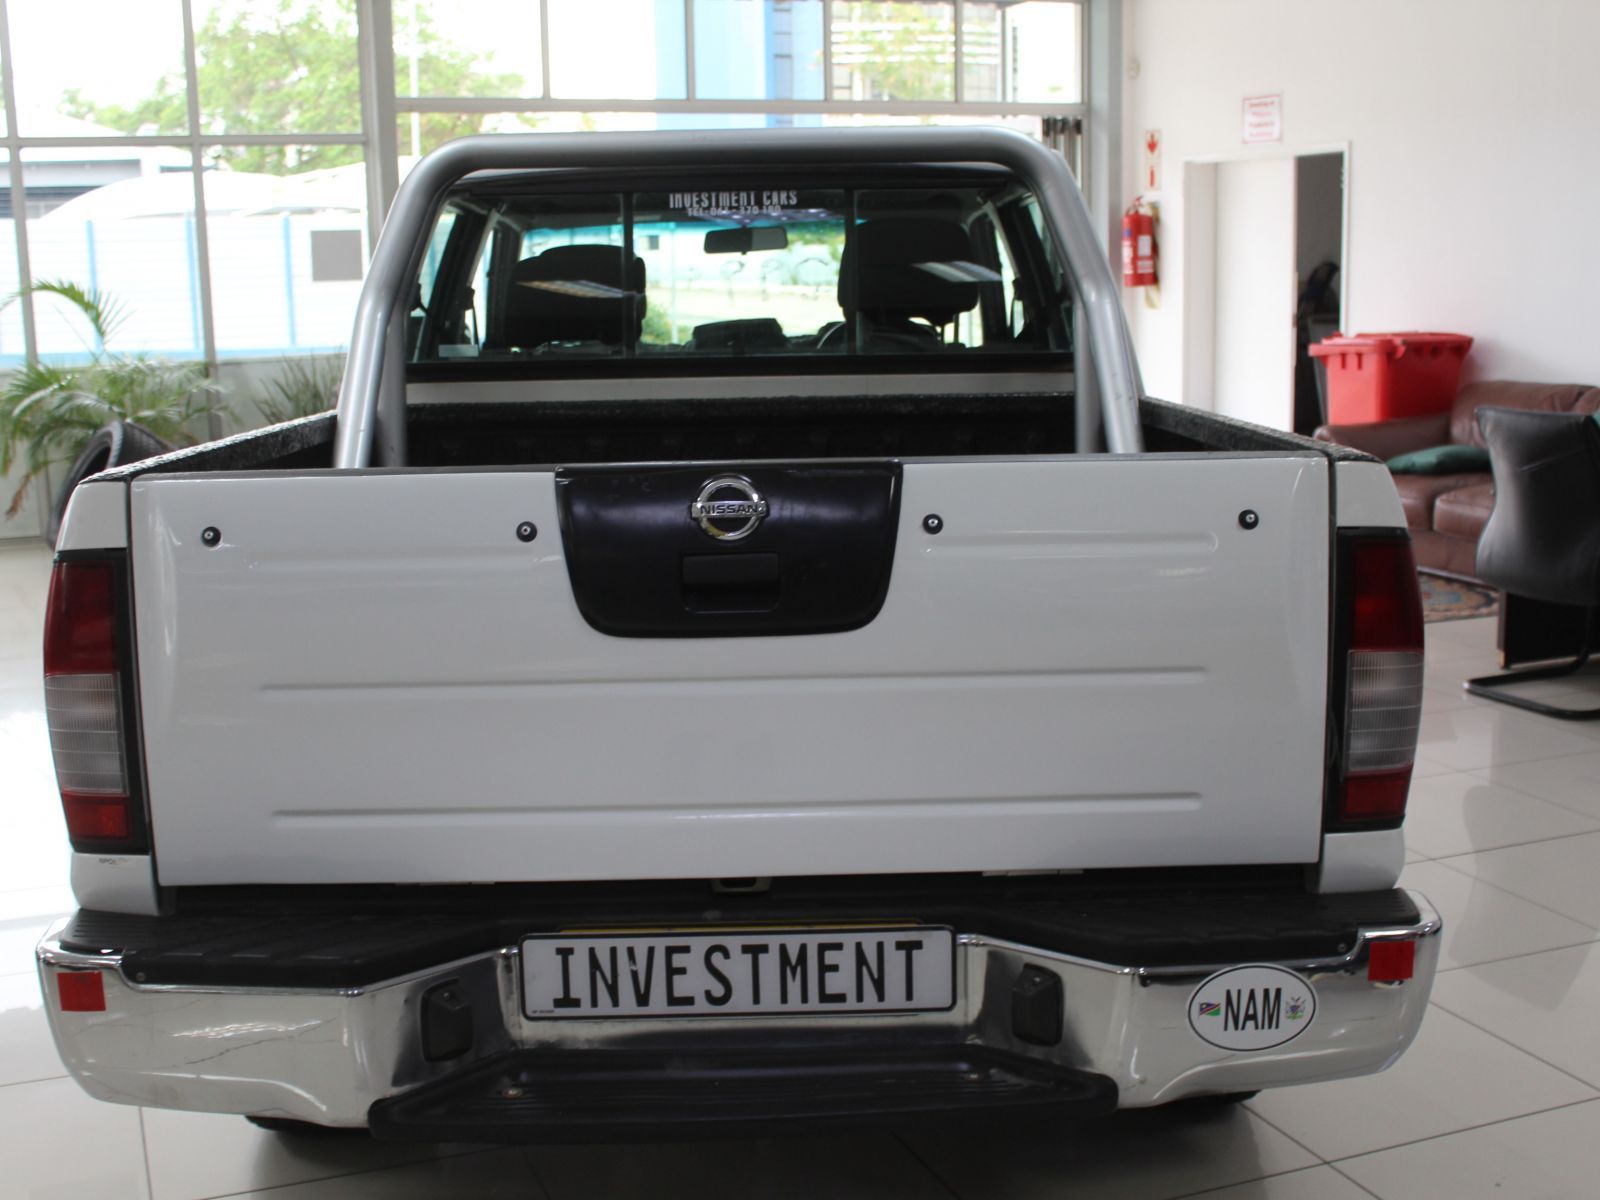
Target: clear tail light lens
{"points": [[85, 716], [83, 702], [1384, 710]]}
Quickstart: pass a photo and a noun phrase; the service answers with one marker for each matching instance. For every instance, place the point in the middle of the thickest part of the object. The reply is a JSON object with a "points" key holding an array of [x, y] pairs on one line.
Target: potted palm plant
{"points": [[109, 409], [304, 386]]}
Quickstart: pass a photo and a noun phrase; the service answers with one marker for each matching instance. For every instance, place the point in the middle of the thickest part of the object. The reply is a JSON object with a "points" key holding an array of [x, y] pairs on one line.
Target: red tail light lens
{"points": [[1387, 612], [1376, 795], [83, 701], [80, 619], [95, 818], [1382, 680]]}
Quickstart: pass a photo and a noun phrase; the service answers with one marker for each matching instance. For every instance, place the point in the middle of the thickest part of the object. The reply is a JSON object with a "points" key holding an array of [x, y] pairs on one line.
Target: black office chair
{"points": [[1543, 535]]}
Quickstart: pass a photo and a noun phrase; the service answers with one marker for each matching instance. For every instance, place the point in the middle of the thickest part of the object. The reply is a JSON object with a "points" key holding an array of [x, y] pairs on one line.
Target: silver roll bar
{"points": [[372, 399]]}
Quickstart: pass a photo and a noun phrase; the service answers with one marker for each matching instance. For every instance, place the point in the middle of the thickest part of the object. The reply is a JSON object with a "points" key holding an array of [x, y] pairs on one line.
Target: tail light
{"points": [[85, 672], [1377, 681]]}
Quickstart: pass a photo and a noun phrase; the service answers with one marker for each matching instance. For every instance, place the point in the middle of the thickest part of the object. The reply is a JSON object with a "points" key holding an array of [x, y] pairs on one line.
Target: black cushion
{"points": [[884, 272], [1542, 539], [574, 294]]}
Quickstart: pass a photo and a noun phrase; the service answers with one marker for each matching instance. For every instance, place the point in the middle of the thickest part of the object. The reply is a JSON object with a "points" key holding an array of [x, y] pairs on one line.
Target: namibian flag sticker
{"points": [[1253, 1007]]}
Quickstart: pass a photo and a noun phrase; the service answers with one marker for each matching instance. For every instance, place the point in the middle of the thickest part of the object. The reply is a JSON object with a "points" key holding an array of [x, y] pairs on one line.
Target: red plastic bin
{"points": [[1381, 376]]}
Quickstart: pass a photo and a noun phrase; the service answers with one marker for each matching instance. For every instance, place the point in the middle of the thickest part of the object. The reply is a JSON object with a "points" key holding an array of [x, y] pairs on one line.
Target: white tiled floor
{"points": [[1499, 1097]]}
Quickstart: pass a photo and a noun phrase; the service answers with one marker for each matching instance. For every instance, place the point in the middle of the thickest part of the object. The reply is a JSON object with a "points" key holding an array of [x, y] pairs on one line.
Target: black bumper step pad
{"points": [[347, 940], [615, 1095]]}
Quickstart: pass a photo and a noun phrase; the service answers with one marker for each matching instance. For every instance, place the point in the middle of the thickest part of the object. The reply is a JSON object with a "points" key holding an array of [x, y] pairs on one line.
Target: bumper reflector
{"points": [[81, 991], [1391, 962]]}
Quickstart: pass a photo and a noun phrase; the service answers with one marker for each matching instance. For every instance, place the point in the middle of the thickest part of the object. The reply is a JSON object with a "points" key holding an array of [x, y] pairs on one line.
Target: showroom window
{"points": [[216, 169], [817, 62]]}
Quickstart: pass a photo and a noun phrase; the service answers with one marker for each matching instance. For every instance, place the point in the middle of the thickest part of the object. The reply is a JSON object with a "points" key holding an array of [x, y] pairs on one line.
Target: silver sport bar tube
{"points": [[372, 408]]}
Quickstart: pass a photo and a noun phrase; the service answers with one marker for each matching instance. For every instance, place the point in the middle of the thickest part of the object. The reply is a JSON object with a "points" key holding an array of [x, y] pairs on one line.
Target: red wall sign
{"points": [[1263, 118], [1150, 178]]}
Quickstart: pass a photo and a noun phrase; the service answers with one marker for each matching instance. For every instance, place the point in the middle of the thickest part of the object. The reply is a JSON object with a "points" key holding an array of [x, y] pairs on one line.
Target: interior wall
{"points": [[1254, 291], [1471, 178], [1199, 281]]}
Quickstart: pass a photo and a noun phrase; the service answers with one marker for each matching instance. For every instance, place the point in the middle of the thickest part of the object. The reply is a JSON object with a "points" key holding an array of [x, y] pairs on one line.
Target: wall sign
{"points": [[1263, 118], [1151, 178]]}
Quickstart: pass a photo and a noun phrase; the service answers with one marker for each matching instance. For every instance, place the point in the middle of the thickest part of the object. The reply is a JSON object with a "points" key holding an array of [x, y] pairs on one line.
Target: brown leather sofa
{"points": [[1446, 513]]}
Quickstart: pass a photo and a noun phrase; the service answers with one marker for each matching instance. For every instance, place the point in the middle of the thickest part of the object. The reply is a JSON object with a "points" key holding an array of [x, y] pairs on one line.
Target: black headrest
{"points": [[892, 268], [575, 294]]}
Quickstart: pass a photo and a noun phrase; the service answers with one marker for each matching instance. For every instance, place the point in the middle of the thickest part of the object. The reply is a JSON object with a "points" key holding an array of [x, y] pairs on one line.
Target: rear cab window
{"points": [[527, 273]]}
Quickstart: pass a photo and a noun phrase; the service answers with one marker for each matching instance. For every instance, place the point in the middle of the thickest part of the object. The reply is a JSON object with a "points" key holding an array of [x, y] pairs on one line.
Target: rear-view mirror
{"points": [[747, 238]]}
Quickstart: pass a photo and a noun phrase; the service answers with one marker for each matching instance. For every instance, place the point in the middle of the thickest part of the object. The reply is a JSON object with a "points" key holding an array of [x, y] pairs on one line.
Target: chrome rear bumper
{"points": [[326, 1056]]}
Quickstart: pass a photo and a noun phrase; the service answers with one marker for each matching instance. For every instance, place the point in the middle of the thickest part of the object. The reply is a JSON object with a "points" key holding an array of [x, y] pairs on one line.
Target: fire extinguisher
{"points": [[1138, 245]]}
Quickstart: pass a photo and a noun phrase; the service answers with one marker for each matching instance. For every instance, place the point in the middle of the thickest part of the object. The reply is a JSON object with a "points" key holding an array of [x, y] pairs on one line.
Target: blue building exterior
{"points": [[727, 66]]}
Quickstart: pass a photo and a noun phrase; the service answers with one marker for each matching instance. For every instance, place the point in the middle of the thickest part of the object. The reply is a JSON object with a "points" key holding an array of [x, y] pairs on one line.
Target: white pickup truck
{"points": [[743, 651]]}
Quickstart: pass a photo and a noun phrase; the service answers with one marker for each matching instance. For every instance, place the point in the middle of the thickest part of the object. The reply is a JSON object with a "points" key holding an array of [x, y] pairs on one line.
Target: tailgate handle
{"points": [[729, 570], [730, 582]]}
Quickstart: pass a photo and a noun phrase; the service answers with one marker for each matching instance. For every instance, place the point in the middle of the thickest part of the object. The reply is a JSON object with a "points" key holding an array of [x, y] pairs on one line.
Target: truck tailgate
{"points": [[370, 678]]}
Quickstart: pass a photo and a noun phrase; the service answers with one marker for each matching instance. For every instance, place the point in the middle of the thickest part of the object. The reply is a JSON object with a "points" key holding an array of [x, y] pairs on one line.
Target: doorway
{"points": [[1263, 270], [1319, 261]]}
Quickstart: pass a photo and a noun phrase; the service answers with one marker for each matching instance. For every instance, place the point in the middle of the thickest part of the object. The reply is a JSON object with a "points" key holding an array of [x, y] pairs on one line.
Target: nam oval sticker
{"points": [[1252, 1008]]}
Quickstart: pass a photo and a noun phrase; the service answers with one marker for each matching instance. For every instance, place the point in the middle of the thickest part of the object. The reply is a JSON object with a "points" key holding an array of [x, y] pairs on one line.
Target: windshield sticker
{"points": [[1252, 1008], [720, 204]]}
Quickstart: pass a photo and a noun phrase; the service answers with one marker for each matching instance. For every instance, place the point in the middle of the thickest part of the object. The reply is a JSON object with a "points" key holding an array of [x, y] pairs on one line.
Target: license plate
{"points": [[739, 972]]}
